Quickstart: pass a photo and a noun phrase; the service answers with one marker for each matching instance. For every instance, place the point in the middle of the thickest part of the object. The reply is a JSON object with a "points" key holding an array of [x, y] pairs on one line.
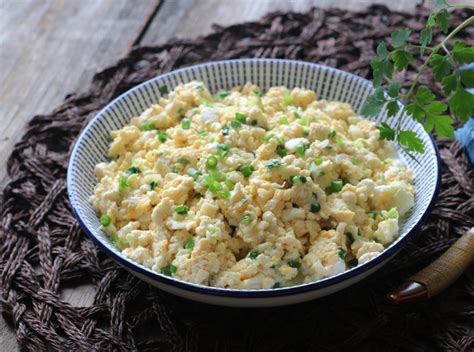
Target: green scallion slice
{"points": [[246, 218], [162, 137], [186, 124], [189, 244], [247, 170], [254, 254], [240, 117], [336, 186], [181, 209], [341, 252], [194, 173], [105, 220], [294, 264], [211, 162]]}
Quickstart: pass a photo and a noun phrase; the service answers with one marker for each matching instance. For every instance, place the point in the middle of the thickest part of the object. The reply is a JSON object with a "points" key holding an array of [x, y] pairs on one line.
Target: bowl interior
{"points": [[331, 84]]}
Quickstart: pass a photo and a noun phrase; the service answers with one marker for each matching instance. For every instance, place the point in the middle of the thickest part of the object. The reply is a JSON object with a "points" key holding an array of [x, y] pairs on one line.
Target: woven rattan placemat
{"points": [[43, 249]]}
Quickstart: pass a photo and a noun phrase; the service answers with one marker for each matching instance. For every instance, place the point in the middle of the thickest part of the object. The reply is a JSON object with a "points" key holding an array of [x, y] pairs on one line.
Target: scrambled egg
{"points": [[250, 190]]}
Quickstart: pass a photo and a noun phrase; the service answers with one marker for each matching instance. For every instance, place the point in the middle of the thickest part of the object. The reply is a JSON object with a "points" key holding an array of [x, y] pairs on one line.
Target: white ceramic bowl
{"points": [[92, 145]]}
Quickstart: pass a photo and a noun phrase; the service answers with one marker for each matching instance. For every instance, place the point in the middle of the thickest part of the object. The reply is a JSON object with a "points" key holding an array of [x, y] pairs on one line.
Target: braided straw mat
{"points": [[43, 250]]}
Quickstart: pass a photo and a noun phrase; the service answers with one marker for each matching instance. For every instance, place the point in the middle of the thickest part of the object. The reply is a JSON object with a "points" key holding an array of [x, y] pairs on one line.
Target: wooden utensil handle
{"points": [[447, 268], [438, 275]]}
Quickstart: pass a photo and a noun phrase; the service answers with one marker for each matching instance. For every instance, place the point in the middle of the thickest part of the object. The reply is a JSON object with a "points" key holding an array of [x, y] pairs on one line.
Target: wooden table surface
{"points": [[49, 48]]}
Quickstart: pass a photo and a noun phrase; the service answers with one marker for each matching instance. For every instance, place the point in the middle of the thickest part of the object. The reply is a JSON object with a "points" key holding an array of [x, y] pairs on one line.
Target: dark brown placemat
{"points": [[43, 249]]}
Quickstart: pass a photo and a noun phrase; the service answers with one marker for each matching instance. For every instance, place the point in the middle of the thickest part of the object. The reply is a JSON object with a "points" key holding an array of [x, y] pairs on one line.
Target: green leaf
{"points": [[382, 51], [467, 77], [440, 66], [431, 22], [449, 83], [410, 141], [386, 132], [372, 106], [461, 103], [399, 38], [441, 123], [426, 36], [436, 108], [416, 111], [380, 94], [401, 58], [424, 95], [387, 68], [393, 89], [377, 72], [442, 18], [393, 108], [463, 54]]}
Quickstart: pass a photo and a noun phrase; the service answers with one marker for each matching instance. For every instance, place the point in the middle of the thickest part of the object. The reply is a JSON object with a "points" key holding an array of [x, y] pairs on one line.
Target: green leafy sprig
{"points": [[444, 60]]}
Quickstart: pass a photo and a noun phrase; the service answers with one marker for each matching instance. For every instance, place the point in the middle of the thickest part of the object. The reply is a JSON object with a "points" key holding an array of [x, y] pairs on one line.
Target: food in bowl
{"points": [[250, 190]]}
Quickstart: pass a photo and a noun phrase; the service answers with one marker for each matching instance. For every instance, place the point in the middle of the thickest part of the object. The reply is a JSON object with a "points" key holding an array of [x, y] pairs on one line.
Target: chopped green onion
{"points": [[105, 220], [305, 132], [240, 117], [215, 187], [223, 149], [374, 215], [123, 182], [194, 173], [287, 99], [202, 134], [283, 120], [296, 115], [216, 175], [189, 244], [304, 121], [206, 102], [162, 137], [211, 162], [225, 130], [115, 240], [341, 252], [222, 95], [276, 285], [229, 184], [182, 161], [212, 139], [246, 218], [164, 90], [315, 207], [247, 170], [359, 232], [281, 151], [318, 161], [148, 126], [268, 136], [133, 170], [336, 186], [153, 185], [259, 94], [297, 179], [254, 254], [301, 149], [235, 124], [225, 194], [169, 270], [181, 209], [186, 124], [294, 264], [274, 163], [339, 141], [354, 161], [393, 213], [254, 122], [332, 134]]}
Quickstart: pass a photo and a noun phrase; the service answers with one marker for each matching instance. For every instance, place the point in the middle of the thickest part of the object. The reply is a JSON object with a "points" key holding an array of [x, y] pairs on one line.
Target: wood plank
{"points": [[47, 50], [51, 48], [192, 18]]}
